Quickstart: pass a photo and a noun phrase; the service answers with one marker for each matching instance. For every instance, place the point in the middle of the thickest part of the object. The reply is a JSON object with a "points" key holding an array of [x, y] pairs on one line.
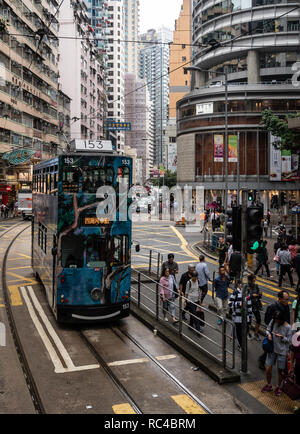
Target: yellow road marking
{"points": [[15, 296], [25, 256], [19, 268], [184, 243], [188, 404], [123, 409], [165, 251], [279, 405]]}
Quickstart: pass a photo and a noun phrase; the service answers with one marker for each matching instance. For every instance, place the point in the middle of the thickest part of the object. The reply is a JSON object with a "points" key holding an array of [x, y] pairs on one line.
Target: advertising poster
{"points": [[155, 172], [172, 157], [275, 160], [290, 170], [218, 148], [233, 149]]}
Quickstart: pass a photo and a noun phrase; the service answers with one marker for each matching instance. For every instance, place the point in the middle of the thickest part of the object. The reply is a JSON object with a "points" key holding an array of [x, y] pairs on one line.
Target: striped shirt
{"points": [[235, 305]]}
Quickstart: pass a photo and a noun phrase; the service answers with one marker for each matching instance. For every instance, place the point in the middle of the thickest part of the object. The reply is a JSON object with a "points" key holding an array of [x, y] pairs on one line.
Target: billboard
{"points": [[218, 148], [233, 148], [172, 157], [284, 165]]}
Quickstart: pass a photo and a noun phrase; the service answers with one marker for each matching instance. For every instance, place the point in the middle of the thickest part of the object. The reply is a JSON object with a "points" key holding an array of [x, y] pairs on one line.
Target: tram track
{"points": [[12, 228], [29, 379], [121, 334]]}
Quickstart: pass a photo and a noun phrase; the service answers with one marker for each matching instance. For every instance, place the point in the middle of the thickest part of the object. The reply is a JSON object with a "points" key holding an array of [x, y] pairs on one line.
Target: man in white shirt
{"points": [[203, 276]]}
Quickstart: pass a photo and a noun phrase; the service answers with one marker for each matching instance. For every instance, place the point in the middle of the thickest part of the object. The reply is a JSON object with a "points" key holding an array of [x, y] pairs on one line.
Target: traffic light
{"points": [[251, 196], [229, 225], [254, 228], [234, 227], [237, 228]]}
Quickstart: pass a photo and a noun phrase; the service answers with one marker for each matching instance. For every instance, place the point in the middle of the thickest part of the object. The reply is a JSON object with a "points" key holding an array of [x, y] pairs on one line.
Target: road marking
{"points": [[58, 366], [142, 360], [279, 405], [188, 404], [123, 409], [184, 243], [15, 296]]}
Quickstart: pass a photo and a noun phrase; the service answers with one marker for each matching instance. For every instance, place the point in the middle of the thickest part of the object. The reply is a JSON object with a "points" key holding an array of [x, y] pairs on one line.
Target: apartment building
{"points": [[81, 70], [28, 88], [132, 30]]}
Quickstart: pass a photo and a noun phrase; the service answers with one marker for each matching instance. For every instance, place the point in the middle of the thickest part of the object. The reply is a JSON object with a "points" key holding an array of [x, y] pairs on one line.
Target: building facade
{"points": [[254, 44], [28, 89], [138, 111], [79, 56], [154, 69], [132, 31]]}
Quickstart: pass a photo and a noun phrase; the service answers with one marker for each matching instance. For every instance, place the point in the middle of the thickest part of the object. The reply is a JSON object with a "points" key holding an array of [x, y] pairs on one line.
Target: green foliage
{"points": [[3, 26], [170, 180], [288, 139]]}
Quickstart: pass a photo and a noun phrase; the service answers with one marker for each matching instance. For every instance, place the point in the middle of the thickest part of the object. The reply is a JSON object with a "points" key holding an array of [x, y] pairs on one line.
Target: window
{"points": [[96, 252], [119, 250], [72, 251], [71, 180], [42, 237]]}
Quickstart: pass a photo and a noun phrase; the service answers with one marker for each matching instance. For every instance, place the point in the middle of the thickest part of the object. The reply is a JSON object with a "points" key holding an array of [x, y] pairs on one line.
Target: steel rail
{"points": [[168, 373], [29, 379]]}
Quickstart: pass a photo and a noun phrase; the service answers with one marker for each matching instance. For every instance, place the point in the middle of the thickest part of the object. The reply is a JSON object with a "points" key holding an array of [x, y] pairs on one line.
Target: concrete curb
{"points": [[206, 364]]}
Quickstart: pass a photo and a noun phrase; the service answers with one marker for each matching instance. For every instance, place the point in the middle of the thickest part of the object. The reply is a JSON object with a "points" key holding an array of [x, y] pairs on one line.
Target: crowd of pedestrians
{"points": [[9, 210], [280, 323]]}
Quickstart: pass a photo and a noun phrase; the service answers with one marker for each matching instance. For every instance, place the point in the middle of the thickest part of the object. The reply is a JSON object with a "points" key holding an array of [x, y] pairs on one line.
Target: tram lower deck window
{"points": [[72, 251]]}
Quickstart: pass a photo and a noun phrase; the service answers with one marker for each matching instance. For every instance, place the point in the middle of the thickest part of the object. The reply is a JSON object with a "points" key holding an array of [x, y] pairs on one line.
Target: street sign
{"points": [[118, 126]]}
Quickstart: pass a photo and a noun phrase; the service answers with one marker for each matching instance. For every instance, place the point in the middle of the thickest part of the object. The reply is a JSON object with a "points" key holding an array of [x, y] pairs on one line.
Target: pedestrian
{"points": [[282, 235], [193, 301], [289, 238], [203, 276], [266, 227], [297, 267], [263, 260], [11, 209], [213, 220], [255, 295], [281, 305], [295, 367], [235, 265], [277, 246], [296, 310], [167, 286], [221, 285], [284, 257], [185, 277], [236, 308], [171, 264], [223, 252], [279, 332], [16, 209], [268, 217], [2, 210], [293, 249]]}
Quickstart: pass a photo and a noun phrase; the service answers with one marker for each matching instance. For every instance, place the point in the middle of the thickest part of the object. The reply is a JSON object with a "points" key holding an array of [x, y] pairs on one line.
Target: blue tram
{"points": [[82, 259]]}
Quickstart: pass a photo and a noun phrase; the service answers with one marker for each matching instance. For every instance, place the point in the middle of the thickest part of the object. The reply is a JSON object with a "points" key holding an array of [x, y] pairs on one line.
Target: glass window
{"points": [[72, 251], [95, 252], [71, 180]]}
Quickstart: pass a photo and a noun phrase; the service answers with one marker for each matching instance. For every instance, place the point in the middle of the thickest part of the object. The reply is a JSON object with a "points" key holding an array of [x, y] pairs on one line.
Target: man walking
{"points": [[203, 276], [171, 264], [297, 267], [221, 285], [223, 251], [185, 277], [263, 260], [285, 261]]}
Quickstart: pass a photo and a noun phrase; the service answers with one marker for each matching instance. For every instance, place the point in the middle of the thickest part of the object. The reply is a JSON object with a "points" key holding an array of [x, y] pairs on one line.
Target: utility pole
{"points": [[244, 366], [226, 137]]}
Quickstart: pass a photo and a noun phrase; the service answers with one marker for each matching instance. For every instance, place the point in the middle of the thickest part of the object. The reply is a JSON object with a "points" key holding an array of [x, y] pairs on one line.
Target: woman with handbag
{"points": [[167, 290], [279, 333]]}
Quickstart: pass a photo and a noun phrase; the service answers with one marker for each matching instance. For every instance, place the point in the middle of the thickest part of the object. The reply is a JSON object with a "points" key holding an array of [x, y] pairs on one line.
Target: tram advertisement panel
{"points": [[93, 253]]}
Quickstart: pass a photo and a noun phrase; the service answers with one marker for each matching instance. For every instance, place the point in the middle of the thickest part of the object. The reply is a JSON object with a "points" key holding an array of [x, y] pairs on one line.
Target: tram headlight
{"points": [[96, 294]]}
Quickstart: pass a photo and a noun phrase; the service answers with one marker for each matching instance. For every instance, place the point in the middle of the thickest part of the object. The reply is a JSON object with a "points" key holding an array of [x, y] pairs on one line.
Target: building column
{"points": [[253, 67], [199, 79]]}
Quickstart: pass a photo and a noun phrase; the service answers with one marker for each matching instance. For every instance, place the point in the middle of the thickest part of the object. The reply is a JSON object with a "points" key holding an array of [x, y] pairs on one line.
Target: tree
{"points": [[288, 139], [169, 181]]}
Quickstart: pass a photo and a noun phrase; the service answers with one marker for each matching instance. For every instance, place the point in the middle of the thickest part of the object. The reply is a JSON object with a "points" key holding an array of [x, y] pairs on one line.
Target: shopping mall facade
{"points": [[260, 58]]}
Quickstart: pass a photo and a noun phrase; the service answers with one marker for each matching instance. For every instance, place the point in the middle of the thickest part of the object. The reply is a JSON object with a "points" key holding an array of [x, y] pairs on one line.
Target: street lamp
{"points": [[196, 68]]}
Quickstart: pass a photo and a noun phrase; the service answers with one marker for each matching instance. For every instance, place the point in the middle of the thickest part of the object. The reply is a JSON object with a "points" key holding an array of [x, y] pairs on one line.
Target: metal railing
{"points": [[150, 261], [217, 341]]}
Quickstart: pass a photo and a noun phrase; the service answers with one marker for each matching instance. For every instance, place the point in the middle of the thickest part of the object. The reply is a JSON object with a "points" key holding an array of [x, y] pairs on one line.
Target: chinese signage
{"points": [[204, 108], [118, 126]]}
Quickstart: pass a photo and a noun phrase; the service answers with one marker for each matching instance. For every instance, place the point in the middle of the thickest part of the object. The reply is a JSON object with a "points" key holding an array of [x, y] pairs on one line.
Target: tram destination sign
{"points": [[92, 145]]}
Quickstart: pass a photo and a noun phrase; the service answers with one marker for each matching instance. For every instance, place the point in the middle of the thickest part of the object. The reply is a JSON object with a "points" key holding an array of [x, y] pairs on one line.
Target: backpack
{"points": [[269, 314]]}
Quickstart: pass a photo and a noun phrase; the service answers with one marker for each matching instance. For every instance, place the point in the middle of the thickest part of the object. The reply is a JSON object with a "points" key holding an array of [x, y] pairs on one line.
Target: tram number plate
{"points": [[126, 306]]}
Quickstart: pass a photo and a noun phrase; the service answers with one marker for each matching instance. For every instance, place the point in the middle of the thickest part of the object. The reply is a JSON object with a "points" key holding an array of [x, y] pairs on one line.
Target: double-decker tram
{"points": [[80, 253]]}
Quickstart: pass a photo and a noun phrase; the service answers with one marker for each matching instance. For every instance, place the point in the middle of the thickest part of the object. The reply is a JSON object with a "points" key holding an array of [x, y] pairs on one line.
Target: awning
{"points": [[19, 156]]}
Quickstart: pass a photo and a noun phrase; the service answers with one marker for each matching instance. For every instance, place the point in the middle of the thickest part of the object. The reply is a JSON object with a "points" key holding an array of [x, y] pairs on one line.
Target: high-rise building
{"points": [[138, 111], [254, 44], [81, 72], [29, 89], [132, 30], [154, 68]]}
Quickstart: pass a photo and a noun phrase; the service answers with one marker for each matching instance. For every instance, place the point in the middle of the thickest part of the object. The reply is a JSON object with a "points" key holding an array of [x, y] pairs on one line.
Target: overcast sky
{"points": [[155, 13]]}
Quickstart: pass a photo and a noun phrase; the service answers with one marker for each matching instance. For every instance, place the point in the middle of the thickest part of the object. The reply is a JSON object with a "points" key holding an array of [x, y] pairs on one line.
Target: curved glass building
{"points": [[257, 44]]}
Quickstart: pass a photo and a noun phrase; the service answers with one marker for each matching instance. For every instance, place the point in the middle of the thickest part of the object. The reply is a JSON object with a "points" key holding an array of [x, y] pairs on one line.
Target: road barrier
{"points": [[216, 341]]}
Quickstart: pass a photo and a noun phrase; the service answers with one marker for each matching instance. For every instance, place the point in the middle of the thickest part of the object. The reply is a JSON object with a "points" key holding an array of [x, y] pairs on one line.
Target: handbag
{"points": [[290, 388], [267, 346], [276, 258]]}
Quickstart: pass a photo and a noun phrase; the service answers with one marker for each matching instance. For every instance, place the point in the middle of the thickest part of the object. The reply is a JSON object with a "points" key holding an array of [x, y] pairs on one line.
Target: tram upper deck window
{"points": [[95, 178], [71, 180], [95, 252], [72, 249]]}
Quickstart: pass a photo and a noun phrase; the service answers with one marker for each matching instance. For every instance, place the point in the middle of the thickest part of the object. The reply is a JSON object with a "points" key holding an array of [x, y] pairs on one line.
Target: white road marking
{"points": [[58, 366], [133, 361]]}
